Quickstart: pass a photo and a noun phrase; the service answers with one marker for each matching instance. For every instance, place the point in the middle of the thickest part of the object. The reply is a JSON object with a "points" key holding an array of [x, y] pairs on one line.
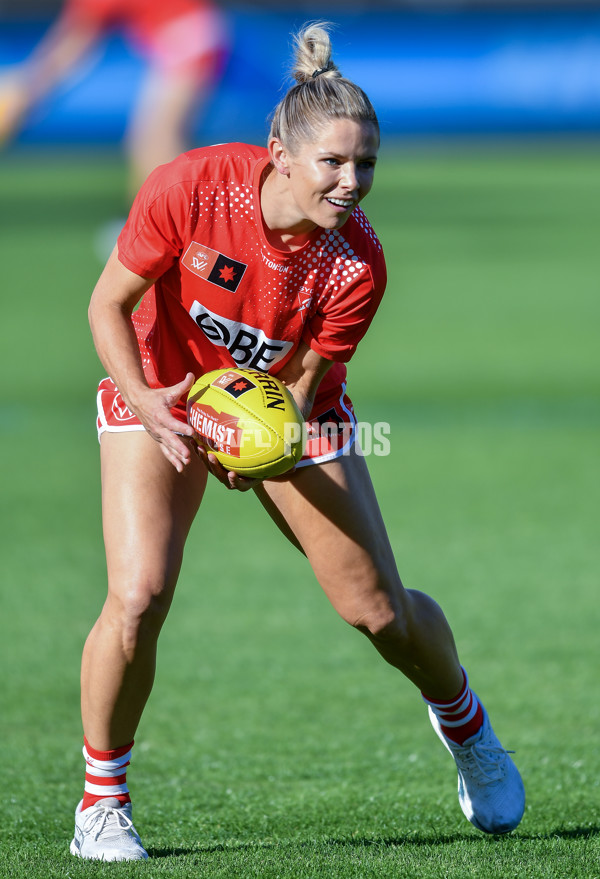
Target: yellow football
{"points": [[249, 420]]}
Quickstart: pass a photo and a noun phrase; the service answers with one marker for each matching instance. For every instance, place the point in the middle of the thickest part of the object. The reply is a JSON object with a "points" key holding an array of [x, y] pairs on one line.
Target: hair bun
{"points": [[329, 66], [313, 52], [320, 94]]}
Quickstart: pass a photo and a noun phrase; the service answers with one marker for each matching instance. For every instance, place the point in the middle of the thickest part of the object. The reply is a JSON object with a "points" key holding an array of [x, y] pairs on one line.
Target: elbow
{"points": [[92, 313]]}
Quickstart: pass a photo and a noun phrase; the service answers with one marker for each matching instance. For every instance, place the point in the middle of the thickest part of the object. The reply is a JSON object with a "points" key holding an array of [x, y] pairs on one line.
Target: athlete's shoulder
{"points": [[361, 240], [359, 228], [224, 161], [224, 164]]}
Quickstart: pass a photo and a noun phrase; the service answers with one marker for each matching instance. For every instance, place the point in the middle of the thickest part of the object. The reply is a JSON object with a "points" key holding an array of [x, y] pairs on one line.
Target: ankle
{"points": [[106, 774], [460, 718]]}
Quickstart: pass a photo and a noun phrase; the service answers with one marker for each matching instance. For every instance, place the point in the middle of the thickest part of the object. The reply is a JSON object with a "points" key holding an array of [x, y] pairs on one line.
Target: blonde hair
{"points": [[321, 92]]}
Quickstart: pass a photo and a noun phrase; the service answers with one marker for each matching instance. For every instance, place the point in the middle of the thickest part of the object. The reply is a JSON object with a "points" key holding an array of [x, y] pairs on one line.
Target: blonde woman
{"points": [[241, 255]]}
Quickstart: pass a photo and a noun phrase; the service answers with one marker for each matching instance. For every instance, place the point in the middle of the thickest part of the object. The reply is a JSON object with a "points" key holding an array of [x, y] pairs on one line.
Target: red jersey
{"points": [[224, 295]]}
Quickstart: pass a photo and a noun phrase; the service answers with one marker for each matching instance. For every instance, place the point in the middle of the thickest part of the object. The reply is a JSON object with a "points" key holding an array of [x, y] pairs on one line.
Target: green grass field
{"points": [[292, 750]]}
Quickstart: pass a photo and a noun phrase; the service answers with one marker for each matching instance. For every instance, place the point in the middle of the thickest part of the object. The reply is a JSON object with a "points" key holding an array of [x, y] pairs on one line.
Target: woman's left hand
{"points": [[231, 480]]}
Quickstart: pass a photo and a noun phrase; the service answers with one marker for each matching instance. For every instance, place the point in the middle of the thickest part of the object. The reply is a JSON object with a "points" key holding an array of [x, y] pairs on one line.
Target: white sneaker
{"points": [[490, 789], [105, 832]]}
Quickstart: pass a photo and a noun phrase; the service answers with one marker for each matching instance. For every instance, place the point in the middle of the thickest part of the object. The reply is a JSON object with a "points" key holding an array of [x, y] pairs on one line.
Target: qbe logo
{"points": [[248, 346]]}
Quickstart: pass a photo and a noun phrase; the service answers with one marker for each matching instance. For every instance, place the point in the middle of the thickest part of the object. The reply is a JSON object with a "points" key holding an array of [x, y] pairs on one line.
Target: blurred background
{"points": [[431, 67]]}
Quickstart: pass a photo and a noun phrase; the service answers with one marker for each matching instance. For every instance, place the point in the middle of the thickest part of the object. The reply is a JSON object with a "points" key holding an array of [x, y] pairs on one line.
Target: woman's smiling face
{"points": [[329, 176]]}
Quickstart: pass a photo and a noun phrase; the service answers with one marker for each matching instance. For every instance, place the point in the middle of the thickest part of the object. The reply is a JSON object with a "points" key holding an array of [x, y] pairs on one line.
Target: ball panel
{"points": [[249, 420]]}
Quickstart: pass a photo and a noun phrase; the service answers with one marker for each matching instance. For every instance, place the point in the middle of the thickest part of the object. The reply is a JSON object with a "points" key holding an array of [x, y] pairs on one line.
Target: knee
{"points": [[137, 612], [384, 621], [397, 623], [384, 628]]}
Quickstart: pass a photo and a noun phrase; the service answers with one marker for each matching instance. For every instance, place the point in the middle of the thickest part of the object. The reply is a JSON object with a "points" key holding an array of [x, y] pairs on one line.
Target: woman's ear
{"points": [[279, 156]]}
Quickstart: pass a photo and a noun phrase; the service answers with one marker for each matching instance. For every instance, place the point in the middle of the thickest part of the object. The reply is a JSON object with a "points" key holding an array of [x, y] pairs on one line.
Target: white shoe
{"points": [[490, 789], [105, 832]]}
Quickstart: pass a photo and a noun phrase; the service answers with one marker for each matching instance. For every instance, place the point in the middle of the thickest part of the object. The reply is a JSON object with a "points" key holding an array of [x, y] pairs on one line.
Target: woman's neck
{"points": [[282, 229]]}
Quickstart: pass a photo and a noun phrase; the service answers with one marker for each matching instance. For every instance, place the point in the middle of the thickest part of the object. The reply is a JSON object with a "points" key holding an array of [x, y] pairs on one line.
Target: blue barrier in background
{"points": [[458, 73]]}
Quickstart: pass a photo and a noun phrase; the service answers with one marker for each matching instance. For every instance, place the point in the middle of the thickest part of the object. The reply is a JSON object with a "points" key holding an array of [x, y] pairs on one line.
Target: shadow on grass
{"points": [[358, 842], [377, 842], [448, 839], [573, 833]]}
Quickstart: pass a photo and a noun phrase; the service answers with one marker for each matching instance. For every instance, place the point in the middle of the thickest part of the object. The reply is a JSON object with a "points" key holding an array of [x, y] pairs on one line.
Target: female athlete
{"points": [[183, 44], [254, 257]]}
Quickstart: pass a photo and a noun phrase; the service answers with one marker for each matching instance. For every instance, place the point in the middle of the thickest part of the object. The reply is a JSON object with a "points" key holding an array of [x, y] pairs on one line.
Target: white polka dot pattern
{"points": [[330, 288]]}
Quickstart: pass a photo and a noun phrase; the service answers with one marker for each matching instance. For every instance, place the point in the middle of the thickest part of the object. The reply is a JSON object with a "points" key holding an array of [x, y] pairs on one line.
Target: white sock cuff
{"points": [[447, 720], [105, 768], [105, 790]]}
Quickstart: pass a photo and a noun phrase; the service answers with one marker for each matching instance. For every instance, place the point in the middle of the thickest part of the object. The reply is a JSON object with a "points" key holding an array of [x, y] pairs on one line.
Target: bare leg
{"points": [[160, 126], [148, 509], [332, 511]]}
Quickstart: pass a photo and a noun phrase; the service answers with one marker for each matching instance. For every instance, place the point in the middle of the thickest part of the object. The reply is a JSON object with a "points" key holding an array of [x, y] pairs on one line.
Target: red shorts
{"points": [[189, 37], [195, 42], [331, 429]]}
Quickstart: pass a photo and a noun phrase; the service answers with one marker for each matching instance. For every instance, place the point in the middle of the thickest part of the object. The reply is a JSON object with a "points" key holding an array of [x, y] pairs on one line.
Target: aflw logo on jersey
{"points": [[213, 266], [248, 346]]}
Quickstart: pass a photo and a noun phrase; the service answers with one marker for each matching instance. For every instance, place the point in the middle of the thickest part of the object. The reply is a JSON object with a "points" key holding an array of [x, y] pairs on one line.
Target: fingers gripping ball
{"points": [[249, 420]]}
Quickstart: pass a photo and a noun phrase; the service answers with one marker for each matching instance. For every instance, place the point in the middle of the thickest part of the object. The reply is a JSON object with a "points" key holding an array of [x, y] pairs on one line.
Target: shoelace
{"points": [[486, 760], [102, 815]]}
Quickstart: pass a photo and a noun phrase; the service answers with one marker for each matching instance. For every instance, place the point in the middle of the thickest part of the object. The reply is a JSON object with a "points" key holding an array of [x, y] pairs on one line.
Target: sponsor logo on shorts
{"points": [[248, 346], [120, 411], [213, 266], [330, 421]]}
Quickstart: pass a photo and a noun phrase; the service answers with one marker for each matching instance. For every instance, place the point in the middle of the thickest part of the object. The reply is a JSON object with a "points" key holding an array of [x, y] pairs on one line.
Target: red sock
{"points": [[105, 774], [459, 718]]}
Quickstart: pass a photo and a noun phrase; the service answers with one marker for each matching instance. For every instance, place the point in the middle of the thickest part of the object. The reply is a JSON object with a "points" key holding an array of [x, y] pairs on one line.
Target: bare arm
{"points": [[51, 61], [59, 51], [115, 296], [302, 375]]}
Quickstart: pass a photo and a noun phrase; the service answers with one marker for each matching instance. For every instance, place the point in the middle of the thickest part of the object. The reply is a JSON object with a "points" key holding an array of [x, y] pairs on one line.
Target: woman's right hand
{"points": [[153, 407], [114, 298]]}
